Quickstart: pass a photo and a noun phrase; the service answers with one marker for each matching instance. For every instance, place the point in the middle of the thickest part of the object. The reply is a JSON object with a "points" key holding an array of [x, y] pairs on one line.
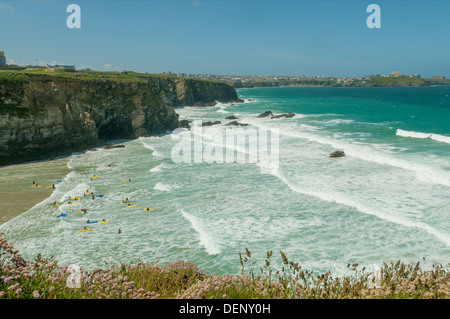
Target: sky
{"points": [[231, 37]]}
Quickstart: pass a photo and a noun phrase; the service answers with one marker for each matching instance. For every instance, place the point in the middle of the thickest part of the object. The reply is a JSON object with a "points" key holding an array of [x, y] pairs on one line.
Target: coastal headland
{"points": [[48, 113]]}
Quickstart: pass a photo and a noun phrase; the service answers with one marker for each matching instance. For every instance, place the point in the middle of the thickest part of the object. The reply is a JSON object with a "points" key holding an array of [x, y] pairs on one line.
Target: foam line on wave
{"points": [[366, 153], [421, 135], [207, 240], [341, 199]]}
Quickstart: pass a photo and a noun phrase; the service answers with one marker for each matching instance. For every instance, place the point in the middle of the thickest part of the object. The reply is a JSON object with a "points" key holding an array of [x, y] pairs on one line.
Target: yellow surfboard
{"points": [[84, 229], [148, 209], [131, 205], [103, 221]]}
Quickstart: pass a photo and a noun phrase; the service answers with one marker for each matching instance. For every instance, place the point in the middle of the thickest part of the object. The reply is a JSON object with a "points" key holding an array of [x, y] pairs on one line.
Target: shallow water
{"points": [[17, 193]]}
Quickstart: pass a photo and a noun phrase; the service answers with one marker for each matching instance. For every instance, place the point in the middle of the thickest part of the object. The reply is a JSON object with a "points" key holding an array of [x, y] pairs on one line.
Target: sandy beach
{"points": [[17, 193]]}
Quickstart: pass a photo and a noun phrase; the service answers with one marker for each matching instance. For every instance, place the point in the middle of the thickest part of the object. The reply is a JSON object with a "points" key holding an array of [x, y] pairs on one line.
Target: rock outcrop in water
{"points": [[265, 114], [209, 123], [285, 115], [42, 116], [236, 123], [337, 154], [269, 113]]}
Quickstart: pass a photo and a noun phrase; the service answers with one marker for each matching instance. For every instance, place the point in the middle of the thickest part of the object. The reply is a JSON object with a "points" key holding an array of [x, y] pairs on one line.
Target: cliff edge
{"points": [[47, 115]]}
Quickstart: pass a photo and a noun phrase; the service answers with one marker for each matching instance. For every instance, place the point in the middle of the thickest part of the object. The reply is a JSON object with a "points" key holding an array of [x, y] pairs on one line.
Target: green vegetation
{"points": [[12, 80], [13, 77], [377, 81], [43, 278], [7, 76], [397, 81]]}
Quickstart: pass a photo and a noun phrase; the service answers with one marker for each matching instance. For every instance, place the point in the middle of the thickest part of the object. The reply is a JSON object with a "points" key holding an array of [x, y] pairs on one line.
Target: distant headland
{"points": [[376, 80]]}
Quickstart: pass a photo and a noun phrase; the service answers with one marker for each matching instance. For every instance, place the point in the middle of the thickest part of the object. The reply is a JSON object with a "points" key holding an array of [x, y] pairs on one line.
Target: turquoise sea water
{"points": [[386, 200]]}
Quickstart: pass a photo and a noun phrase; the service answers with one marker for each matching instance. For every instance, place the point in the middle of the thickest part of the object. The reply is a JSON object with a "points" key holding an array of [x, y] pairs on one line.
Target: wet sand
{"points": [[17, 193]]}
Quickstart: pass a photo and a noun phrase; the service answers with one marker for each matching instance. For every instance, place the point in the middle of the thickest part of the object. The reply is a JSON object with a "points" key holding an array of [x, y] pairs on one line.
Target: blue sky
{"points": [[296, 37]]}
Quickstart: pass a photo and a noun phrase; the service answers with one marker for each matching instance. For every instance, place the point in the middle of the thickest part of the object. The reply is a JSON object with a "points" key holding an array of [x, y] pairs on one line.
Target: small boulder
{"points": [[232, 117], [209, 123], [108, 147], [201, 104], [265, 114], [337, 154], [286, 115], [236, 123], [184, 124]]}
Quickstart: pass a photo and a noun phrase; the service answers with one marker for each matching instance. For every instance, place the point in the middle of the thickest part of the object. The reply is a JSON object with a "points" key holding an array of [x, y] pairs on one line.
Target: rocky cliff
{"points": [[43, 116]]}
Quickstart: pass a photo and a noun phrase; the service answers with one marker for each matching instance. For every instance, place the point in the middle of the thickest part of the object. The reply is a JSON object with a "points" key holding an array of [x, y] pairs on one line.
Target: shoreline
{"points": [[17, 193]]}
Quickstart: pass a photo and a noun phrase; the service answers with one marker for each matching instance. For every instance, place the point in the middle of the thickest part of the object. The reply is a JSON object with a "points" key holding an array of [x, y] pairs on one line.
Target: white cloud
{"points": [[110, 67], [83, 66], [6, 7]]}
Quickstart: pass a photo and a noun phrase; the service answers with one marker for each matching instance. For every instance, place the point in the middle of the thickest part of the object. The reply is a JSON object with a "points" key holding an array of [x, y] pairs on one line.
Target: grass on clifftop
{"points": [[43, 278], [16, 76]]}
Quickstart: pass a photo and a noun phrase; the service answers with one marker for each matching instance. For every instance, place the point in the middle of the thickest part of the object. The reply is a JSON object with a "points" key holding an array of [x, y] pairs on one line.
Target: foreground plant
{"points": [[43, 278]]}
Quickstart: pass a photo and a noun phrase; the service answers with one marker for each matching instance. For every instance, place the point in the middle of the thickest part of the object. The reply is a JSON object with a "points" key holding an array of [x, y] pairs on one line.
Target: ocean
{"points": [[386, 200]]}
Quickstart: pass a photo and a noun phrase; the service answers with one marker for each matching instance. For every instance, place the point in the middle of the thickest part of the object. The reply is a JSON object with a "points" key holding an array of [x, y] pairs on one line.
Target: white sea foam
{"points": [[338, 121], [155, 152], [162, 187], [362, 207], [367, 153], [157, 168], [432, 136], [207, 240]]}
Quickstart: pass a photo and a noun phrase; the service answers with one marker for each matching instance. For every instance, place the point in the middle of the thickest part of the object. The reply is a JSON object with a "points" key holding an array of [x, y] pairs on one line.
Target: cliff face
{"points": [[49, 116]]}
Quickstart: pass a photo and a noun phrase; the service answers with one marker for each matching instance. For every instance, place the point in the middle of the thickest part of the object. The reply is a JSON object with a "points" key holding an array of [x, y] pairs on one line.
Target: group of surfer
{"points": [[37, 184], [88, 192]]}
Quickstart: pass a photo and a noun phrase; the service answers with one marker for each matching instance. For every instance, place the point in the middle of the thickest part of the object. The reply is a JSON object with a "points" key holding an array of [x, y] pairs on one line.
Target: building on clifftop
{"points": [[2, 59]]}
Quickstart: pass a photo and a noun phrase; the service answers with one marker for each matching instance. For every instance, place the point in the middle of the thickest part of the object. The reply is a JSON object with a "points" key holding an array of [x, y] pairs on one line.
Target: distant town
{"points": [[243, 81]]}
